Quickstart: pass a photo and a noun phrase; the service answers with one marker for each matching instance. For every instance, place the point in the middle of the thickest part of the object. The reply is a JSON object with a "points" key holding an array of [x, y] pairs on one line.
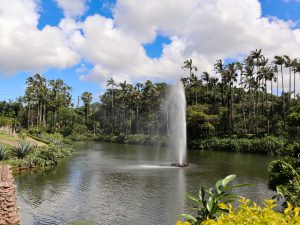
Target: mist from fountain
{"points": [[177, 123]]}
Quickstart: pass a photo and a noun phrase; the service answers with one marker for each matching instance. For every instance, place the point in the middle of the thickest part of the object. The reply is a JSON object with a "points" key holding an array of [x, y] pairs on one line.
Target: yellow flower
{"points": [[182, 223]]}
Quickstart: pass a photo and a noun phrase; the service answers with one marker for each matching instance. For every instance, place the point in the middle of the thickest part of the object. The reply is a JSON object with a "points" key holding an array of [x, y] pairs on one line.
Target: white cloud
{"points": [[24, 47], [72, 8], [204, 30]]}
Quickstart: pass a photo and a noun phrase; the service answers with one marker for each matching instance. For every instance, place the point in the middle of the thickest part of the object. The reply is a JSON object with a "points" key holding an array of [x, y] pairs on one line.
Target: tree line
{"points": [[237, 98]]}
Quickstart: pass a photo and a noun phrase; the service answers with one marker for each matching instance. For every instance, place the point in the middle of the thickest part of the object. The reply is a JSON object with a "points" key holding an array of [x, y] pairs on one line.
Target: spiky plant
{"points": [[22, 149], [3, 152]]}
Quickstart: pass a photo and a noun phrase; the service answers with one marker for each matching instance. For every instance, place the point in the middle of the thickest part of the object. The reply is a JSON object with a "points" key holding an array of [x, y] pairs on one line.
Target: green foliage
{"points": [[200, 124], [22, 149], [5, 121], [251, 214], [55, 138], [285, 179], [36, 130], [293, 119], [265, 145], [208, 201], [39, 138], [3, 152]]}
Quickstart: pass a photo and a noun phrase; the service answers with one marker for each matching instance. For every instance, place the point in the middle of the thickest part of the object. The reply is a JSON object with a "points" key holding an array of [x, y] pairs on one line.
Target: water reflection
{"points": [[123, 184]]}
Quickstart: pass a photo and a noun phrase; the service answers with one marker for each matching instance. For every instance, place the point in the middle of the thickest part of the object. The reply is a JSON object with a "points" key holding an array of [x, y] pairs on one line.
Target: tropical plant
{"points": [[208, 201], [22, 149], [3, 152], [285, 179]]}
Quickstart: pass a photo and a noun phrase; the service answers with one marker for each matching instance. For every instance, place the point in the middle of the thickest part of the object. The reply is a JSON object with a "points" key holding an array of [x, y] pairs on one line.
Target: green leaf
{"points": [[210, 203], [228, 179], [193, 198], [238, 185], [188, 217], [201, 194], [219, 184]]}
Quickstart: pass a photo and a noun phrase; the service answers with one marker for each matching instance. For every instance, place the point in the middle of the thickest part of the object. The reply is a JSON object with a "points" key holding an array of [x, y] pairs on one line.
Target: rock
{"points": [[8, 205], [179, 164]]}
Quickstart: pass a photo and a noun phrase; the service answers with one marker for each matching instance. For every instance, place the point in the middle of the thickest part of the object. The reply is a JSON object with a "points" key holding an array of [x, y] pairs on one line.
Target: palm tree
{"points": [[220, 68], [288, 63], [86, 97], [295, 68], [113, 84], [230, 76], [188, 64], [279, 60]]}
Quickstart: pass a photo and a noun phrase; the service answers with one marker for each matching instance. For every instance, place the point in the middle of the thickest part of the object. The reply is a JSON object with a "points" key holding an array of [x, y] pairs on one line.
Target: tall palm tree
{"points": [[87, 98], [295, 66], [188, 64], [205, 77], [288, 63], [230, 75], [279, 60], [220, 68]]}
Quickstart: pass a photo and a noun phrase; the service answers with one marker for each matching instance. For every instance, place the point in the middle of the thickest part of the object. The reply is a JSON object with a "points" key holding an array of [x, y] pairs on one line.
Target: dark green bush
{"points": [[265, 145]]}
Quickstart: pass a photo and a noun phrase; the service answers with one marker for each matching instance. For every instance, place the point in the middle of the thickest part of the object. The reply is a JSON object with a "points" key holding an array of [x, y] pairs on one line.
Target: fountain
{"points": [[177, 122]]}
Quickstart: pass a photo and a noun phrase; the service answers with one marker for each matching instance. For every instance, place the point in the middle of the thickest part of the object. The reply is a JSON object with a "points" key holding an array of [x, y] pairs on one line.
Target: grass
{"points": [[9, 140], [29, 153]]}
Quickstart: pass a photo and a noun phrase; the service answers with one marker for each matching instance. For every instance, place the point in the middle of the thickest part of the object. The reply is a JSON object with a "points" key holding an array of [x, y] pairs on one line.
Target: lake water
{"points": [[112, 184]]}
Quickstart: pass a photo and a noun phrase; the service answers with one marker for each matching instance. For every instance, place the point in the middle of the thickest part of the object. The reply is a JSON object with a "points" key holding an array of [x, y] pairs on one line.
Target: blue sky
{"points": [[51, 14]]}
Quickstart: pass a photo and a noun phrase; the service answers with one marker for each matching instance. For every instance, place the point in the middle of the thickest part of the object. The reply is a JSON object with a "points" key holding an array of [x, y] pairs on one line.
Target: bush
{"points": [[137, 139], [265, 145], [22, 149], [285, 179], [3, 152], [250, 213]]}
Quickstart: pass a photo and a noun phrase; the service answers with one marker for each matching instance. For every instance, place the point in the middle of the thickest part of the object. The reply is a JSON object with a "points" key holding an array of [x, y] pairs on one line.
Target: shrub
{"points": [[285, 179], [251, 214], [265, 145], [3, 152], [22, 149]]}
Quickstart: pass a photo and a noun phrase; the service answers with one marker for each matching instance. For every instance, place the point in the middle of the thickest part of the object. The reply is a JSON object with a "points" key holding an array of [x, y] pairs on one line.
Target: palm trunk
{"points": [[290, 83], [283, 98], [231, 105], [277, 83], [294, 85], [28, 116]]}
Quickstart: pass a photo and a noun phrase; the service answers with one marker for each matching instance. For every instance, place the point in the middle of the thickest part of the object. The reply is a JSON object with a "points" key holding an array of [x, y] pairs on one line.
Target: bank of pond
{"points": [[267, 145], [27, 152]]}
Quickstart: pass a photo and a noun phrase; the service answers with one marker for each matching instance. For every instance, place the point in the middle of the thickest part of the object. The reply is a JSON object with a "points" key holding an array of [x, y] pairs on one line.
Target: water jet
{"points": [[177, 122]]}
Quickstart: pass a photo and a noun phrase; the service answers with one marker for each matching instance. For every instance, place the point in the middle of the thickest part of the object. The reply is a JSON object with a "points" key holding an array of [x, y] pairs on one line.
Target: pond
{"points": [[127, 184]]}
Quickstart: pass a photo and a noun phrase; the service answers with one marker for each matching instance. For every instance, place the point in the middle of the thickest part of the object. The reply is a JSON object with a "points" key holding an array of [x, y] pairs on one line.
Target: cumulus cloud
{"points": [[204, 30], [72, 8], [23, 47]]}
